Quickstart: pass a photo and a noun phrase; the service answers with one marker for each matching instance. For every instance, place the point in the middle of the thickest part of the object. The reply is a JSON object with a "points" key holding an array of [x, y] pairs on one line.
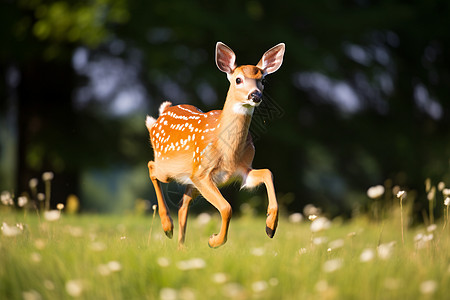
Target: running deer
{"points": [[207, 150]]}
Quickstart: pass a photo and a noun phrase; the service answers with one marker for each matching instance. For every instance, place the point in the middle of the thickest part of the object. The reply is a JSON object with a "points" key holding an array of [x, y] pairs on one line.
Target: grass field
{"points": [[113, 257]]}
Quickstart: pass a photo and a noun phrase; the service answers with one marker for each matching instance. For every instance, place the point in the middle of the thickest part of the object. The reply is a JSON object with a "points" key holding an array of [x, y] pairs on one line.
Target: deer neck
{"points": [[234, 122]]}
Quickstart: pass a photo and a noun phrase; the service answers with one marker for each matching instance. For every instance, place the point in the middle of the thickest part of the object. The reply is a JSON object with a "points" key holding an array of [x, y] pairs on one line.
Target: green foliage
{"points": [[114, 257]]}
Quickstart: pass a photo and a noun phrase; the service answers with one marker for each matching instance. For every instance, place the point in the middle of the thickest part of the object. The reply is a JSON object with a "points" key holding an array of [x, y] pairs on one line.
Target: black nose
{"points": [[256, 96]]}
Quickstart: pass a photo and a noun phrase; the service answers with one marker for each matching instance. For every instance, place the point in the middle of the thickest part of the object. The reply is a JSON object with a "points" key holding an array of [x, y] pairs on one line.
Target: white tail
{"points": [[204, 150]]}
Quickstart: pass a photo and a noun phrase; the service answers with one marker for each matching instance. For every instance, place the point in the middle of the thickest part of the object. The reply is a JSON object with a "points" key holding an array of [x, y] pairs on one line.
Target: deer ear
{"points": [[225, 58], [272, 59]]}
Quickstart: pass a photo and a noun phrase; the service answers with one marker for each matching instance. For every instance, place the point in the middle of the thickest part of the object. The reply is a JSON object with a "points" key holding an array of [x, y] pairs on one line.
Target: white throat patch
{"points": [[243, 109]]}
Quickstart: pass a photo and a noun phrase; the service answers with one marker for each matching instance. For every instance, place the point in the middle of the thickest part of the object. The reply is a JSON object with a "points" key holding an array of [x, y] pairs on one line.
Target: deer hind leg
{"points": [[189, 194], [163, 210], [255, 178], [211, 193]]}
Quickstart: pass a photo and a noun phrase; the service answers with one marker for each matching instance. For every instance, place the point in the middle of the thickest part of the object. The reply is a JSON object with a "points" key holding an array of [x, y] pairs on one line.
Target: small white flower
{"points": [[302, 251], [163, 262], [22, 201], [154, 207], [385, 250], [168, 294], [441, 186], [447, 201], [375, 192], [74, 287], [59, 206], [367, 255], [6, 198], [52, 215], [203, 219], [296, 218], [431, 228], [320, 224], [401, 194], [220, 278], [10, 231], [332, 265], [33, 183], [446, 192], [191, 264], [47, 176], [114, 266], [259, 286], [428, 287], [31, 295], [257, 251]]}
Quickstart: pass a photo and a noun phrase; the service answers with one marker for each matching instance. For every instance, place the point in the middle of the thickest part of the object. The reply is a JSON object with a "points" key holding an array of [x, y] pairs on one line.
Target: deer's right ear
{"points": [[225, 58]]}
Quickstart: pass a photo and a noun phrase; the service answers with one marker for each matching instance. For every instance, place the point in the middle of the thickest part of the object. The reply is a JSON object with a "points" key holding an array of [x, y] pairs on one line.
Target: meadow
{"points": [[129, 257]]}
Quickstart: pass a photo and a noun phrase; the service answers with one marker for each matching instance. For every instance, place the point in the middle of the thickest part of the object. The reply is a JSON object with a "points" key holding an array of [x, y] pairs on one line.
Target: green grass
{"points": [[48, 257]]}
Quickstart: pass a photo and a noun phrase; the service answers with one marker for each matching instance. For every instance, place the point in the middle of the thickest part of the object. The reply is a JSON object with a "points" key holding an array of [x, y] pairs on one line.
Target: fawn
{"points": [[207, 150]]}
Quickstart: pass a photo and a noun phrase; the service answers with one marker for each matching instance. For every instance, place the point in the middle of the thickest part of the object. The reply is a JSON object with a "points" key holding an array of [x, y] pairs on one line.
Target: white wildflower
{"points": [[320, 240], [31, 295], [219, 278], [320, 224], [310, 209], [22, 201], [332, 265], [10, 231], [163, 262], [431, 228], [257, 251], [446, 192], [203, 219], [296, 218], [6, 198], [47, 176], [302, 251], [168, 294], [375, 192], [441, 186], [259, 286], [114, 266], [59, 206], [367, 255], [74, 287], [385, 250], [401, 194], [428, 287], [191, 264], [52, 215], [447, 201], [33, 183]]}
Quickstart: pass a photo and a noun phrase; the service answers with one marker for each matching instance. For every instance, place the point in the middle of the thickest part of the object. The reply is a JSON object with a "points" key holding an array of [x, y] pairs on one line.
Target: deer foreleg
{"points": [[255, 178], [211, 193]]}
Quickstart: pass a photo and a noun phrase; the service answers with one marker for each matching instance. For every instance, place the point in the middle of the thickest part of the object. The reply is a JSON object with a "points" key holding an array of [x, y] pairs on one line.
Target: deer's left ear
{"points": [[272, 59]]}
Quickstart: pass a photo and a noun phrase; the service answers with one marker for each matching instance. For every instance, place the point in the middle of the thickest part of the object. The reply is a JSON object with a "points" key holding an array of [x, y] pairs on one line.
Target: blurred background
{"points": [[361, 99]]}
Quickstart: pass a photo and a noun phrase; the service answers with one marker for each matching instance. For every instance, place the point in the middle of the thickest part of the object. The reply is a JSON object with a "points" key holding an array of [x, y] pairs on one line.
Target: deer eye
{"points": [[238, 80]]}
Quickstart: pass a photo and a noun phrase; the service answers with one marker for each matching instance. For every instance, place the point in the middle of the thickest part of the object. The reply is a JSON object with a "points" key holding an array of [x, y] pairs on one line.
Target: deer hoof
{"points": [[169, 233], [213, 243], [270, 232]]}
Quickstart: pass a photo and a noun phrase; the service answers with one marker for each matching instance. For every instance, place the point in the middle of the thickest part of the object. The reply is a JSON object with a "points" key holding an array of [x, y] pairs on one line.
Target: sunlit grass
{"points": [[112, 257]]}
